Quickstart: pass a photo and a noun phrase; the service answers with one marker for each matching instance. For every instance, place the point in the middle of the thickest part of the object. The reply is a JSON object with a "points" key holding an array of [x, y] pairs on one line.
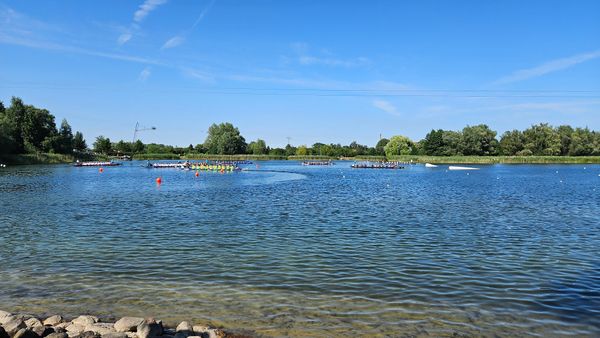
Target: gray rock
{"points": [[149, 329], [74, 329], [85, 320], [62, 325], [101, 328], [33, 322], [131, 334], [25, 333], [53, 320], [4, 313], [115, 335], [58, 335], [128, 324], [13, 325], [185, 326], [5, 317], [3, 333], [89, 334], [212, 333], [42, 331]]}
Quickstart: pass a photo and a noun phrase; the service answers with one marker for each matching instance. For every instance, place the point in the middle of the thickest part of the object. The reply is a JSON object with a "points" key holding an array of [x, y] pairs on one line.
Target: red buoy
{"points": [[197, 174], [101, 169], [158, 180]]}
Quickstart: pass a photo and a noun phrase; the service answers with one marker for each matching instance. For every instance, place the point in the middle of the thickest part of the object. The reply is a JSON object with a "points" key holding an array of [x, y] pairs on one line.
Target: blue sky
{"points": [[327, 71]]}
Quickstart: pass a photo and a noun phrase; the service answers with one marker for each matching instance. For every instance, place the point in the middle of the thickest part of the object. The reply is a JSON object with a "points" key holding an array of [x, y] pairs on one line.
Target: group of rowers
{"points": [[203, 166]]}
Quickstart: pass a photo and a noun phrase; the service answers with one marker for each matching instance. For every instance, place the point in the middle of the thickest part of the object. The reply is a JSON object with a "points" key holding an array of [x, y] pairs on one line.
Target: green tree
{"points": [[38, 126], [138, 147], [565, 132], [79, 142], [65, 138], [15, 115], [512, 142], [479, 140], [302, 150], [290, 150], [123, 147], [582, 142], [224, 139], [398, 145], [102, 145], [258, 147], [542, 139], [380, 146]]}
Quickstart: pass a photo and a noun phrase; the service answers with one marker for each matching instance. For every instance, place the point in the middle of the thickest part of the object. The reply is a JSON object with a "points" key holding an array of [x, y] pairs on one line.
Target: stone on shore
{"points": [[128, 324], [74, 329], [13, 325], [26, 333], [58, 335], [53, 320], [184, 330], [42, 331], [115, 335], [33, 322], [5, 317], [149, 328], [85, 320], [101, 328], [89, 334]]}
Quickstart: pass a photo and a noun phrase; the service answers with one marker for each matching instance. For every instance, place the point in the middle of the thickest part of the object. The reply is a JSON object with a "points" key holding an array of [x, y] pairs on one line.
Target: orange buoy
{"points": [[197, 174], [222, 170], [101, 169], [158, 180]]}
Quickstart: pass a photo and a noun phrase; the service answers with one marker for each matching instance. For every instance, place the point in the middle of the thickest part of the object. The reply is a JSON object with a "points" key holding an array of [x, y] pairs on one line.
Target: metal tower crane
{"points": [[139, 128]]}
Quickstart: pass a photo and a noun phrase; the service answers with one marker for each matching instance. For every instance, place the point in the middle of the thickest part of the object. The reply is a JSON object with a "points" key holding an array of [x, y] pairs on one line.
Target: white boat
{"points": [[429, 165], [461, 168]]}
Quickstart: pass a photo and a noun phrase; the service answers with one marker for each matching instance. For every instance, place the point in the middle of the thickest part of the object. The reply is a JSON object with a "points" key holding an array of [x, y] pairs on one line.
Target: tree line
{"points": [[28, 129]]}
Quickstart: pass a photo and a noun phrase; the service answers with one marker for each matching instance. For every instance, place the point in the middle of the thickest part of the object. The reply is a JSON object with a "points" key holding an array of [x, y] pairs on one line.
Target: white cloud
{"points": [[180, 38], [145, 9], [386, 106], [173, 42], [145, 74], [548, 67], [124, 38], [304, 57]]}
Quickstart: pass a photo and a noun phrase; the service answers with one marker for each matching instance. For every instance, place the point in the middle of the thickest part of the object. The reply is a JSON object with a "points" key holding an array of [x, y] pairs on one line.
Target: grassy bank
{"points": [[46, 158], [498, 159]]}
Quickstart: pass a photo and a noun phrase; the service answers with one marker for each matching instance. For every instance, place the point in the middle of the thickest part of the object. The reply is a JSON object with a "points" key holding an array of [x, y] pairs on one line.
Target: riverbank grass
{"points": [[498, 159]]}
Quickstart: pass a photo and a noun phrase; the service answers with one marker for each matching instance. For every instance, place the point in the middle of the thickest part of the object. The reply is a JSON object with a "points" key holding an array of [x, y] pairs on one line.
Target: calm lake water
{"points": [[287, 250]]}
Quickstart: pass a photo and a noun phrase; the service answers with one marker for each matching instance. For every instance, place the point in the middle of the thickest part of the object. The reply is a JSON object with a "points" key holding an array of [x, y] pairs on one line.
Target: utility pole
{"points": [[288, 139], [138, 129]]}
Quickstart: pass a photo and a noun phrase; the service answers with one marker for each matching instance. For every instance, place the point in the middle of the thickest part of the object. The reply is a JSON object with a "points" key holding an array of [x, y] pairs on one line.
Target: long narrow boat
{"points": [[321, 163], [452, 167], [429, 165], [377, 165], [96, 164]]}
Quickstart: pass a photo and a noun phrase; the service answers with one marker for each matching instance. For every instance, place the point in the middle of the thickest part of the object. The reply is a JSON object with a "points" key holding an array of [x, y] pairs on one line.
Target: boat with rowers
{"points": [[310, 163], [203, 166], [96, 164], [377, 165]]}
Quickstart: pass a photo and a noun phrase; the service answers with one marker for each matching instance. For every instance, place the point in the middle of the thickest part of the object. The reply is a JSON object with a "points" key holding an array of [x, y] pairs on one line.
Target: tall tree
{"points": [[65, 138], [512, 143], [39, 129], [565, 132], [79, 142], [15, 114], [102, 145], [379, 147], [542, 139], [398, 145], [582, 142], [479, 140], [224, 139], [258, 147]]}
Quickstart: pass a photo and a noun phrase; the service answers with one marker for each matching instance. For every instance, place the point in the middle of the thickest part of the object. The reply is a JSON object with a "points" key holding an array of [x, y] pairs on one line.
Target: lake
{"points": [[289, 250]]}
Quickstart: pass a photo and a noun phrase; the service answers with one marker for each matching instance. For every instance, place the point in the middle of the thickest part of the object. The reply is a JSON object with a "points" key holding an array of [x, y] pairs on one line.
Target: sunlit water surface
{"points": [[287, 250]]}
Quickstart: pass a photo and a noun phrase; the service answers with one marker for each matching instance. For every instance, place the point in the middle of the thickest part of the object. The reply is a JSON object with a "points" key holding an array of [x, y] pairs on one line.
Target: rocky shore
{"points": [[86, 326]]}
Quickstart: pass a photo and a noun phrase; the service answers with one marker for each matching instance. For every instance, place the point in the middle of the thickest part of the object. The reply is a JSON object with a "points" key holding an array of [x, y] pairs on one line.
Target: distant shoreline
{"points": [[43, 158]]}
